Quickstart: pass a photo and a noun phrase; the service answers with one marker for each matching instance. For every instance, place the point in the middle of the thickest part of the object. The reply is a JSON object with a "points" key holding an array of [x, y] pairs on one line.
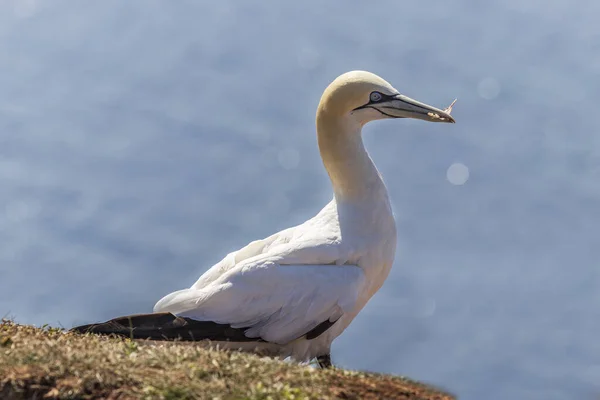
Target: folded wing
{"points": [[271, 302]]}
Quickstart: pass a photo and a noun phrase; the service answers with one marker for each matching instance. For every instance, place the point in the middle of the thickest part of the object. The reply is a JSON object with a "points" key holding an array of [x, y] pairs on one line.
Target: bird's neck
{"points": [[353, 175]]}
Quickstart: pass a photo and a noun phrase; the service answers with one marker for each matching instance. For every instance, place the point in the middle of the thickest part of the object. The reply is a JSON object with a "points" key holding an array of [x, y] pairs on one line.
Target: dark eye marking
{"points": [[375, 97]]}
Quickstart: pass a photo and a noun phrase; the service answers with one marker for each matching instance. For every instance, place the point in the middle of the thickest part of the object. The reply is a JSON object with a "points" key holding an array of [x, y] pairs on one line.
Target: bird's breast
{"points": [[370, 235]]}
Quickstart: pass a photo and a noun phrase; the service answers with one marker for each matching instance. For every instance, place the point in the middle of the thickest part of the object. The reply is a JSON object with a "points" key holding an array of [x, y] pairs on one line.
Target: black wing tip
{"points": [[167, 327]]}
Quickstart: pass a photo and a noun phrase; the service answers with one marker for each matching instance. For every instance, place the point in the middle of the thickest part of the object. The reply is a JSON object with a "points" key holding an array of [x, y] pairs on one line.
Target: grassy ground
{"points": [[52, 364]]}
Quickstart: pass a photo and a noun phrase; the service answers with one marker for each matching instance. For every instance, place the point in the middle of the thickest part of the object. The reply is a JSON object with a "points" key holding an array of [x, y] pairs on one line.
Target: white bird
{"points": [[293, 293]]}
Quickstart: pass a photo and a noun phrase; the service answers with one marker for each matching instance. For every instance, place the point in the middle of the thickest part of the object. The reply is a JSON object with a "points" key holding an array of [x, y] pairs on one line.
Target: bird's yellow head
{"points": [[364, 96]]}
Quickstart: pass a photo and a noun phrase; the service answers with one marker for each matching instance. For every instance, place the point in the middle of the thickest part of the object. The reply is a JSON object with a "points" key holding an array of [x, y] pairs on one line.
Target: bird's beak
{"points": [[401, 106]]}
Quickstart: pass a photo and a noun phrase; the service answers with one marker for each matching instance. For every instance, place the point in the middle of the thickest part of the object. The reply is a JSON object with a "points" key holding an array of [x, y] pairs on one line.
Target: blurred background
{"points": [[142, 140]]}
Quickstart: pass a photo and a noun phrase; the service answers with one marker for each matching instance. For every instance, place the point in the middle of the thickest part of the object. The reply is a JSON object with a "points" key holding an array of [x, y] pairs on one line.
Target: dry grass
{"points": [[52, 364]]}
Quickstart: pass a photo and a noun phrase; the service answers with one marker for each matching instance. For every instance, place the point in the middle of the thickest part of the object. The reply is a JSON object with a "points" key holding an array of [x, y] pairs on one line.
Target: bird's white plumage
{"points": [[327, 268], [278, 302]]}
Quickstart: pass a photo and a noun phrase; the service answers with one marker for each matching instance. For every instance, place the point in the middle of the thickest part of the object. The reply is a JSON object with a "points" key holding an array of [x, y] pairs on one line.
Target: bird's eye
{"points": [[375, 97]]}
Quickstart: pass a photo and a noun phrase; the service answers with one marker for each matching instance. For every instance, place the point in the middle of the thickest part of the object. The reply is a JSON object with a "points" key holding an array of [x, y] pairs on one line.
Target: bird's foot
{"points": [[324, 361]]}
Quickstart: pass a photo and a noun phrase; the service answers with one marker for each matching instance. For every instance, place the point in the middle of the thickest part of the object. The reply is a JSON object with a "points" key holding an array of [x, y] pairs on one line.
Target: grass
{"points": [[49, 363]]}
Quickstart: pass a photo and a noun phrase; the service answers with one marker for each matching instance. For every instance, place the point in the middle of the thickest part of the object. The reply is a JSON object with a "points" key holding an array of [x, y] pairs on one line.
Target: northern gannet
{"points": [[293, 293]]}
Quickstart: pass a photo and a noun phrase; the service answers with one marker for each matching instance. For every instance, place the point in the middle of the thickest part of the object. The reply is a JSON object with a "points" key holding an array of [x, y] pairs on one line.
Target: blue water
{"points": [[141, 141]]}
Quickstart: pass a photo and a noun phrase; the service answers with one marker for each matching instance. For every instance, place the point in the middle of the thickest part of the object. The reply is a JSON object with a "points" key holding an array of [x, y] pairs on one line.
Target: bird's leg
{"points": [[324, 361]]}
